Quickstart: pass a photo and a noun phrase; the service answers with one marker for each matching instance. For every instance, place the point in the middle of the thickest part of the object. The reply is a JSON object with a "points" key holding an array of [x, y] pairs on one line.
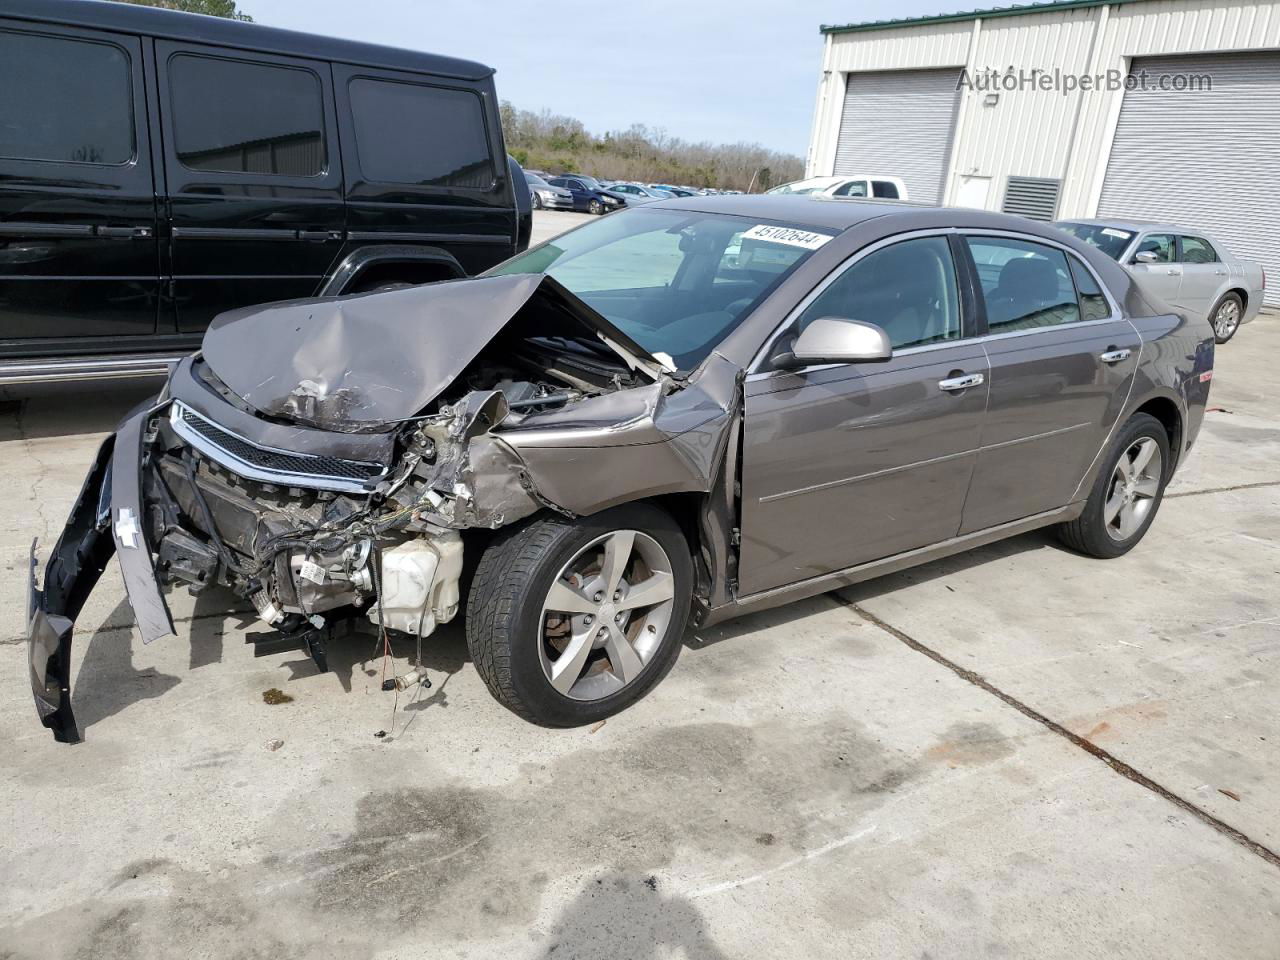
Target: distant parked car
{"points": [[674, 191], [848, 185], [588, 195], [637, 194], [543, 194], [540, 173], [1185, 268]]}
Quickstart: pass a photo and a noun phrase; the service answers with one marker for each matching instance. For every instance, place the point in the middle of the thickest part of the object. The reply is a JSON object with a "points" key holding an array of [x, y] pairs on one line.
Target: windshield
{"points": [[1110, 240], [798, 186], [676, 282]]}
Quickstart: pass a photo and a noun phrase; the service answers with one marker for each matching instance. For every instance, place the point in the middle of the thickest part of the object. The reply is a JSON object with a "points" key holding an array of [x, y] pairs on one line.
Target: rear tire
{"points": [[567, 669], [1126, 493], [1225, 317]]}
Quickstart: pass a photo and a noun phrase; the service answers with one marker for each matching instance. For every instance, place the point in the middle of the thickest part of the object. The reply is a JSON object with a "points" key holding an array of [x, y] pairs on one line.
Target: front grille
{"points": [[269, 465]]}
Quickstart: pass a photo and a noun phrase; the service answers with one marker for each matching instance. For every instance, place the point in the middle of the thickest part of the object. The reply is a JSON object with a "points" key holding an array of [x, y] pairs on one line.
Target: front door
{"points": [[1163, 274], [78, 254], [848, 463], [254, 177], [1062, 360]]}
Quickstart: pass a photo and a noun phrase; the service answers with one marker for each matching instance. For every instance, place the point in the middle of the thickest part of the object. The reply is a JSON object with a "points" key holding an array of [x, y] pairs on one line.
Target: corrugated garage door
{"points": [[1206, 160], [900, 123]]}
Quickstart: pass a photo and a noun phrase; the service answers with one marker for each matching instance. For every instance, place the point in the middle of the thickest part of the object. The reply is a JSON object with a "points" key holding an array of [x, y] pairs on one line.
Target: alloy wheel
{"points": [[606, 614], [1226, 319], [1135, 483]]}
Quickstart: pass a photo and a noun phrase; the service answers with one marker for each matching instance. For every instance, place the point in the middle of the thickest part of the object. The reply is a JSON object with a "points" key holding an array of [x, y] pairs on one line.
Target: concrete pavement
{"points": [[823, 780]]}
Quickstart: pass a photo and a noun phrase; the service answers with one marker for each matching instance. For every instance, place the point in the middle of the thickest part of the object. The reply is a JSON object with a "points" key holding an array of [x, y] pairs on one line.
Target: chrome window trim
{"points": [[754, 373]]}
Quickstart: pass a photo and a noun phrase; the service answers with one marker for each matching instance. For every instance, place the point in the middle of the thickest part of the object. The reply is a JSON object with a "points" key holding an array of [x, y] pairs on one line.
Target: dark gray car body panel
{"points": [[804, 480]]}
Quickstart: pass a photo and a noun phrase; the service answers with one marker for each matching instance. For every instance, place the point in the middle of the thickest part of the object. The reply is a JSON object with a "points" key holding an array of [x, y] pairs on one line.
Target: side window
{"points": [[51, 110], [1093, 305], [1026, 285], [908, 288], [234, 116], [854, 188], [1161, 244], [1198, 250], [413, 133], [885, 189]]}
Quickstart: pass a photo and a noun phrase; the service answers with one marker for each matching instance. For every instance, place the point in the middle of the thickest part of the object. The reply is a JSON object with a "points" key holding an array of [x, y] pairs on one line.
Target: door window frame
{"points": [[180, 176], [133, 174], [1182, 251]]}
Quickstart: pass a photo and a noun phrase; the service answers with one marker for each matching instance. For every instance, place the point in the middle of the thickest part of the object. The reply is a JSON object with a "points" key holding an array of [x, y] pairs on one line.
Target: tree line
{"points": [[561, 144]]}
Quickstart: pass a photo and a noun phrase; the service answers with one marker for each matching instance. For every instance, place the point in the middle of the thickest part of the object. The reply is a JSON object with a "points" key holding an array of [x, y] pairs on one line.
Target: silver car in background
{"points": [[1188, 269]]}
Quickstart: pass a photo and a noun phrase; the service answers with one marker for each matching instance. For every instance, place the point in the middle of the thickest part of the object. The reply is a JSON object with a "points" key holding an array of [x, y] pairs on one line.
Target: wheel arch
{"points": [[386, 263]]}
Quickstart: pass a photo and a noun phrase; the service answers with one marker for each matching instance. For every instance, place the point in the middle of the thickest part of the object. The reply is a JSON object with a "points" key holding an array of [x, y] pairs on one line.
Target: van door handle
{"points": [[962, 383], [128, 233], [320, 235], [1115, 356]]}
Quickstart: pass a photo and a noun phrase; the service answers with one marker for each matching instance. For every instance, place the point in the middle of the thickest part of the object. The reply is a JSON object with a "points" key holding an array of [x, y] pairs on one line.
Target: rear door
{"points": [[78, 255], [843, 464], [254, 177], [424, 165], [1062, 362]]}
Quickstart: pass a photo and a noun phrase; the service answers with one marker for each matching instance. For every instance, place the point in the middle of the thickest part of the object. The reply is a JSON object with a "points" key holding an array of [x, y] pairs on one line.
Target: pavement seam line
{"points": [[1112, 761], [1238, 486]]}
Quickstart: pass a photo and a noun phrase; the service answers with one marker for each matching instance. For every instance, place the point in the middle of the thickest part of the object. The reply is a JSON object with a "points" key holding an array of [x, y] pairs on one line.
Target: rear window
{"points": [[234, 116], [412, 133], [49, 111]]}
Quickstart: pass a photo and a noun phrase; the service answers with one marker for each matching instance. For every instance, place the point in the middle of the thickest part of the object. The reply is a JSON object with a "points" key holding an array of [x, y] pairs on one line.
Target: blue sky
{"points": [[717, 70]]}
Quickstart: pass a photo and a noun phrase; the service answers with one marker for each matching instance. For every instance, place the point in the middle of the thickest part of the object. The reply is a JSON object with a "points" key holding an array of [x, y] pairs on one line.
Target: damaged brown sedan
{"points": [[690, 411]]}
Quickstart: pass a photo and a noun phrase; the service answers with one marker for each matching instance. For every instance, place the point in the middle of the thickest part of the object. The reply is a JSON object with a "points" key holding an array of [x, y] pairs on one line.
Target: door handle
{"points": [[1219, 273], [128, 233], [319, 235], [1115, 356], [962, 382], [1173, 272]]}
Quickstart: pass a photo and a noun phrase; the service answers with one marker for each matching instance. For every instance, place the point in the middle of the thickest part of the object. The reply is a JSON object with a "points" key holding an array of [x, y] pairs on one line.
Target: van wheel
{"points": [[596, 207], [1226, 317], [1126, 493], [571, 621]]}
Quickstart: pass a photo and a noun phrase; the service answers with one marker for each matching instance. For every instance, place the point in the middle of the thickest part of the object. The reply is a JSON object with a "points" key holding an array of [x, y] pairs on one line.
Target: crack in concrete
{"points": [[1112, 761], [13, 641], [1238, 486]]}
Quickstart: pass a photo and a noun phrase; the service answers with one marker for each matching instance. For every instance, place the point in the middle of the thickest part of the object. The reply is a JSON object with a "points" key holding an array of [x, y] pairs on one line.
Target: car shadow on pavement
{"points": [[68, 409], [108, 682], [617, 915], [700, 639]]}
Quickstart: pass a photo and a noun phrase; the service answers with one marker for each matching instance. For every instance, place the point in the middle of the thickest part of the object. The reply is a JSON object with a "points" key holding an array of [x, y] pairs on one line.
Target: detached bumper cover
{"points": [[110, 498]]}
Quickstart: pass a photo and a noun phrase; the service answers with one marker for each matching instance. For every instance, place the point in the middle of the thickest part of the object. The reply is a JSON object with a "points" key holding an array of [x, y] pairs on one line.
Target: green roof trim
{"points": [[1014, 11]]}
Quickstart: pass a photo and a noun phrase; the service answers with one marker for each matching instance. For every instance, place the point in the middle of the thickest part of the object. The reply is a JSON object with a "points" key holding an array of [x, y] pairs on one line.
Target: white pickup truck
{"points": [[849, 185]]}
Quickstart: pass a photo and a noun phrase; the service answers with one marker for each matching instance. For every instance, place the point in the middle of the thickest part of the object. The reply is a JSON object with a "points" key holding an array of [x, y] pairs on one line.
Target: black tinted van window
{"points": [[232, 116], [63, 99], [410, 133]]}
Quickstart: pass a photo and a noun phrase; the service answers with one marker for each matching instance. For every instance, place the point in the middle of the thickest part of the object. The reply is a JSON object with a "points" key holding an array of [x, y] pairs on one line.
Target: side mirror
{"points": [[1145, 256], [837, 340]]}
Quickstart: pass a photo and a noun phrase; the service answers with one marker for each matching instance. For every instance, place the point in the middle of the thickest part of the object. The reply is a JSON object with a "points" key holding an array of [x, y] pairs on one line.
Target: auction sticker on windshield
{"points": [[786, 235]]}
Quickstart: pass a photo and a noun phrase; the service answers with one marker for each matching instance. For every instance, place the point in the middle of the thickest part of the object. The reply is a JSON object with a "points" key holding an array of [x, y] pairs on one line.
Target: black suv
{"points": [[158, 168]]}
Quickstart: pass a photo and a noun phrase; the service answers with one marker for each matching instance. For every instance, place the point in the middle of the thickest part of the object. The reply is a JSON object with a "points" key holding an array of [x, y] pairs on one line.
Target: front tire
{"points": [[1225, 317], [1126, 494], [571, 621], [596, 207], [537, 202]]}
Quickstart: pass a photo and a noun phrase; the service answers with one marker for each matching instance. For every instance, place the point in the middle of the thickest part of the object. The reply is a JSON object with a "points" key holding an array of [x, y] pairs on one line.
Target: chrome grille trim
{"points": [[267, 464]]}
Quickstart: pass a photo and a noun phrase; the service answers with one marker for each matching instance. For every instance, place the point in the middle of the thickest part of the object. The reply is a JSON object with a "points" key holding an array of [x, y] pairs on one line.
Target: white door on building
{"points": [[1205, 159], [899, 123], [972, 192]]}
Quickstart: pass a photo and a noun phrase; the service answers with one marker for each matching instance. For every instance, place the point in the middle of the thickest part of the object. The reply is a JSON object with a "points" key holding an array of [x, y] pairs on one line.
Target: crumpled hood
{"points": [[358, 362]]}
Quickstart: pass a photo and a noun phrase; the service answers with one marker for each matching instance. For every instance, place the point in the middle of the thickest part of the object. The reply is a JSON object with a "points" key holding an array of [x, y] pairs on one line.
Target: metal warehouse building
{"points": [[1077, 108]]}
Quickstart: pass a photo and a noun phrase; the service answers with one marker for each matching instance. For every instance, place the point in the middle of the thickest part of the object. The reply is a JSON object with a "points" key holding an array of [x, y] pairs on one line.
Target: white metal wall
{"points": [[899, 122], [1038, 133], [1208, 159]]}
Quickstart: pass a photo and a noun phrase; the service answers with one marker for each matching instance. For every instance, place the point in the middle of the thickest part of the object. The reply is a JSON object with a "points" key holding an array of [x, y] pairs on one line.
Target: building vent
{"points": [[1033, 197]]}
